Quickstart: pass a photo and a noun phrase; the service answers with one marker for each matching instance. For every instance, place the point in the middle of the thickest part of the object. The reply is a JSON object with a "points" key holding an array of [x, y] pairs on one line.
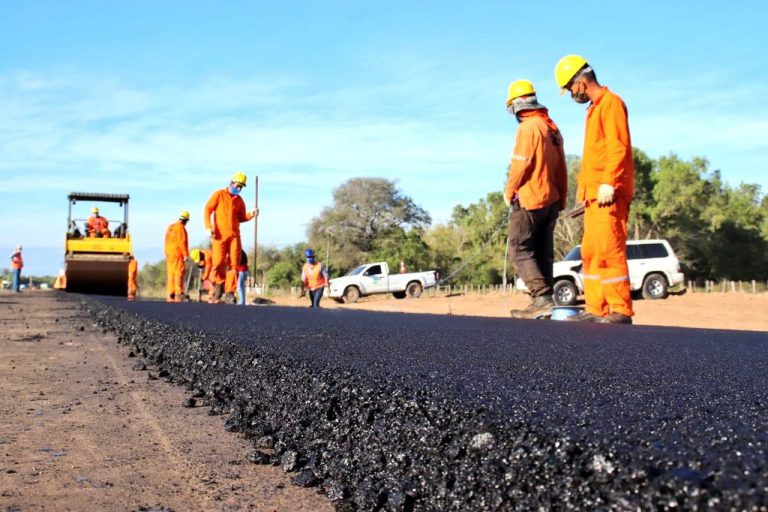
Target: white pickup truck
{"points": [[373, 278]]}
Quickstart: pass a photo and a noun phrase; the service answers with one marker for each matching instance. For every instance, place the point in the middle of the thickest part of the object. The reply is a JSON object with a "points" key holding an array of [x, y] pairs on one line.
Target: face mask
{"points": [[234, 191], [311, 260], [580, 97]]}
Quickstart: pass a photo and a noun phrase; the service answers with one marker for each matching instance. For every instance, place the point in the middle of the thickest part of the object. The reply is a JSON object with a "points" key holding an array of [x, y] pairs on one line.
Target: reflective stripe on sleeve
{"points": [[615, 280], [595, 277]]}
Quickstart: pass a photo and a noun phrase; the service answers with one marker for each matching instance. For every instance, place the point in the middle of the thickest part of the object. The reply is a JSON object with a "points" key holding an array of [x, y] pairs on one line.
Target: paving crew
{"points": [[228, 210], [536, 190], [314, 277], [176, 254], [606, 186], [133, 271], [17, 263], [97, 226]]}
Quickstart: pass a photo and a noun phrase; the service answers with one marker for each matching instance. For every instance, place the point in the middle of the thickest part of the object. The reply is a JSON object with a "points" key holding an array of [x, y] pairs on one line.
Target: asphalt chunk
{"points": [[397, 412]]}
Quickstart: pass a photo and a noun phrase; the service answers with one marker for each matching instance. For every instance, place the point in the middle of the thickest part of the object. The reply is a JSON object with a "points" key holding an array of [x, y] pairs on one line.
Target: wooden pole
{"points": [[255, 230]]}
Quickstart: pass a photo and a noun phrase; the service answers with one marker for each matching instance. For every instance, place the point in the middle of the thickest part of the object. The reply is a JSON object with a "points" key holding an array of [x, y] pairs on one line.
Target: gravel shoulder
{"points": [[81, 430]]}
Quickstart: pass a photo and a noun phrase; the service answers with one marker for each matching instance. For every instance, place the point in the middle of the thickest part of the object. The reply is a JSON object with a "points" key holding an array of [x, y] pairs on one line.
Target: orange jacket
{"points": [[314, 276], [537, 174], [97, 223], [176, 244], [17, 262], [228, 212], [207, 263], [607, 157]]}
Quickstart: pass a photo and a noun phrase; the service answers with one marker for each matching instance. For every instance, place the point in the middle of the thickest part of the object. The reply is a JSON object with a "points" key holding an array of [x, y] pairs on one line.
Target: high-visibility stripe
{"points": [[615, 279], [595, 277], [519, 157]]}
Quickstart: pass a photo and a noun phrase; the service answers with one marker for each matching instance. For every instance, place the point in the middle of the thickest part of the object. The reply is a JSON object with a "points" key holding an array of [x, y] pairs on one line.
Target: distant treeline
{"points": [[718, 231]]}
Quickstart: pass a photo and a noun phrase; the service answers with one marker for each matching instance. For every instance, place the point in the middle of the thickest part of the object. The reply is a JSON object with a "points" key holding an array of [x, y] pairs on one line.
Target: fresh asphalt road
{"points": [[609, 380]]}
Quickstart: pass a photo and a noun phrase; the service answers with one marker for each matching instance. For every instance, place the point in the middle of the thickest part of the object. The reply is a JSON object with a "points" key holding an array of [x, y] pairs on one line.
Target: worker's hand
{"points": [[255, 212], [605, 195], [209, 232], [507, 200]]}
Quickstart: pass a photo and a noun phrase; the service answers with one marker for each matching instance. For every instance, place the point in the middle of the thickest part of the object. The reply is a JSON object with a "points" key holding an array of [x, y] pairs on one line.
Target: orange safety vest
{"points": [[313, 276], [16, 261]]}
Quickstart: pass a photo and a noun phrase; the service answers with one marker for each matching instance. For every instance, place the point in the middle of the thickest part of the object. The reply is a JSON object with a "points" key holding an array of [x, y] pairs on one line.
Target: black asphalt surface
{"points": [[399, 411]]}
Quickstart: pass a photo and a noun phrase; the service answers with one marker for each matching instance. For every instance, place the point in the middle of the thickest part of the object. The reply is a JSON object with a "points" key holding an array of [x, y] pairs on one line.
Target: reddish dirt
{"points": [[80, 430], [738, 311]]}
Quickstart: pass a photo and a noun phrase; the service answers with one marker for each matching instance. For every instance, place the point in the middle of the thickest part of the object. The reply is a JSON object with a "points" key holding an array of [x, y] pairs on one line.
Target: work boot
{"points": [[180, 298], [583, 316], [171, 298], [229, 298], [214, 296], [540, 307], [616, 318]]}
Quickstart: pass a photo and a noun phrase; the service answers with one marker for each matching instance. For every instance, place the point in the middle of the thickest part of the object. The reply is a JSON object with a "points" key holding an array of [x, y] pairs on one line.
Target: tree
{"points": [[365, 213]]}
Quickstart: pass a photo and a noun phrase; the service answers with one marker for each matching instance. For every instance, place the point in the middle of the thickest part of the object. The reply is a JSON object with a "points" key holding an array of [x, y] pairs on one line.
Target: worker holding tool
{"points": [[176, 254], [536, 191], [228, 210], [133, 271], [314, 277], [17, 263], [97, 226], [606, 185], [204, 260]]}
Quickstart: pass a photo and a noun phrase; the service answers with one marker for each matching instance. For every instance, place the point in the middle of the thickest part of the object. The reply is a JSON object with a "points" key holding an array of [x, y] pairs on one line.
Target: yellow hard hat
{"points": [[184, 215], [519, 88], [239, 178], [195, 254], [567, 67], [94, 210]]}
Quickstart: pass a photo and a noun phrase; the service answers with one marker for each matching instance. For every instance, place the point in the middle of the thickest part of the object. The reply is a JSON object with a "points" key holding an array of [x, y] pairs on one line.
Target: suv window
{"points": [[634, 252], [654, 250], [574, 254], [373, 271]]}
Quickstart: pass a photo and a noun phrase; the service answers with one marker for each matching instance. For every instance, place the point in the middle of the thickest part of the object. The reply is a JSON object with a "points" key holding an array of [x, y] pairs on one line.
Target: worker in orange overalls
{"points": [[606, 185], [536, 190], [228, 210], [176, 253], [97, 226], [133, 271], [314, 277], [203, 258]]}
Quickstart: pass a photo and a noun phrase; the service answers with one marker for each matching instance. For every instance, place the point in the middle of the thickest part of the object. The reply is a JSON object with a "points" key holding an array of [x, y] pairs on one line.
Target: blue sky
{"points": [[164, 100]]}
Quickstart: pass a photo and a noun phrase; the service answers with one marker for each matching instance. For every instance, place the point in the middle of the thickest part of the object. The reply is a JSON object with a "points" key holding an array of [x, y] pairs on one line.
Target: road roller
{"points": [[98, 246]]}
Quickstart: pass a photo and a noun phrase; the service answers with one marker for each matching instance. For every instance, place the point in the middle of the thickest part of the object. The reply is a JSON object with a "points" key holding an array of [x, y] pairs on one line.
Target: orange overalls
{"points": [[133, 286], [176, 252], [206, 265], [97, 226], [607, 160], [228, 212]]}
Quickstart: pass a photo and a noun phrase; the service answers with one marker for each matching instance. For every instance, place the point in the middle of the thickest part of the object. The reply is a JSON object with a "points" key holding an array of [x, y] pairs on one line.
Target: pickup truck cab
{"points": [[374, 278], [653, 269]]}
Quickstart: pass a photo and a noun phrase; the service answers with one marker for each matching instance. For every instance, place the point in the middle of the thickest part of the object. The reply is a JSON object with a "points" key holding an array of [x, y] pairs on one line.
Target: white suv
{"points": [[653, 268]]}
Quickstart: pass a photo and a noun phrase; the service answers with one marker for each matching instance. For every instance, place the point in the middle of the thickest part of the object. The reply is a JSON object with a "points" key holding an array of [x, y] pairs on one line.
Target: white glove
{"points": [[209, 232], [507, 201], [605, 194], [255, 212]]}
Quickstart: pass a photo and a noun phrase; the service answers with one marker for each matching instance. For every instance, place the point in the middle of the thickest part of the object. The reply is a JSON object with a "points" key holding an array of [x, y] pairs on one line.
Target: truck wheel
{"points": [[564, 293], [398, 295], [655, 287], [414, 289], [351, 295]]}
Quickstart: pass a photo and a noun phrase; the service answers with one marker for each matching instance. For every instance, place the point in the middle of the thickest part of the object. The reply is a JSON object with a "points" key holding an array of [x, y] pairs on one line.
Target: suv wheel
{"points": [[655, 287], [564, 293]]}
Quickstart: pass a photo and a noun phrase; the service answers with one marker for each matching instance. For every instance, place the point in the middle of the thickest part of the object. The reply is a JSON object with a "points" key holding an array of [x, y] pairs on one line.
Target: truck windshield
{"points": [[356, 271]]}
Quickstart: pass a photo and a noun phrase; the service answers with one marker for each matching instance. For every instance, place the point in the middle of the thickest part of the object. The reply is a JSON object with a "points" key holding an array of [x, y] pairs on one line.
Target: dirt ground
{"points": [[80, 430], [737, 311]]}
